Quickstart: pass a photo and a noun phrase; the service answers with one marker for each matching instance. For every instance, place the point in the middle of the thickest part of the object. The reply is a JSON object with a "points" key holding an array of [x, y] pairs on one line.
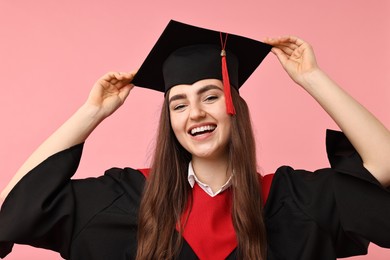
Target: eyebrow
{"points": [[199, 92]]}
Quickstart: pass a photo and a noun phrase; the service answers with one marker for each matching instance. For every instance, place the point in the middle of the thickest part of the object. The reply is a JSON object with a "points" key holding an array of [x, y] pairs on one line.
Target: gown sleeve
{"points": [[46, 208], [329, 213], [363, 203], [39, 210]]}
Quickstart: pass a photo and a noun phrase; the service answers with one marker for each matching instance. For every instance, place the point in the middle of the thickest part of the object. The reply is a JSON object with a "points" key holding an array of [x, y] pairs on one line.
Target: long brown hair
{"points": [[167, 191]]}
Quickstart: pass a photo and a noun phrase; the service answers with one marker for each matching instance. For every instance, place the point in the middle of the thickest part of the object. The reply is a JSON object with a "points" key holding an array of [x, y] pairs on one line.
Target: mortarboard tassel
{"points": [[225, 79]]}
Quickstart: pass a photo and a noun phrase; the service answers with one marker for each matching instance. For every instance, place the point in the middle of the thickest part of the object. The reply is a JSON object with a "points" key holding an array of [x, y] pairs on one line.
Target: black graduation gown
{"points": [[324, 214]]}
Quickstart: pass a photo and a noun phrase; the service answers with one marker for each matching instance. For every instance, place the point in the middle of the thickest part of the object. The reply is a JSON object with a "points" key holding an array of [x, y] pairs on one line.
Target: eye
{"points": [[178, 107], [211, 98]]}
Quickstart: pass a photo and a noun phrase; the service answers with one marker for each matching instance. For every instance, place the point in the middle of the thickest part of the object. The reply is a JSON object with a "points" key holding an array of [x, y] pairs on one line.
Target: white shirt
{"points": [[192, 179]]}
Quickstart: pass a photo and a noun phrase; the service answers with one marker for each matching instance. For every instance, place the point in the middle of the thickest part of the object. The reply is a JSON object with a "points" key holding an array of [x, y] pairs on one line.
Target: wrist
{"points": [[313, 79], [91, 113]]}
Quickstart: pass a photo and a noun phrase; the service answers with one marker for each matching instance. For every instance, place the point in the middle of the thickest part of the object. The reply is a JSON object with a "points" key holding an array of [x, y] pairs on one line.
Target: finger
{"points": [[115, 78], [293, 40], [122, 80], [284, 40], [114, 81], [125, 91], [268, 40], [291, 45], [125, 76], [119, 75], [286, 49], [280, 55], [108, 76], [274, 40], [287, 46], [132, 74], [111, 78], [296, 40]]}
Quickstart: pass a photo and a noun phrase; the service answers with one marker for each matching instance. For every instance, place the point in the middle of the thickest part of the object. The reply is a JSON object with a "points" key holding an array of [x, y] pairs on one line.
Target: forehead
{"points": [[195, 87]]}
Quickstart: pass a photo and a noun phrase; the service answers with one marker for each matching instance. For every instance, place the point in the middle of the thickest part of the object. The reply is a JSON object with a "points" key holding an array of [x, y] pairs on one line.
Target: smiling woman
{"points": [[202, 198], [199, 119]]}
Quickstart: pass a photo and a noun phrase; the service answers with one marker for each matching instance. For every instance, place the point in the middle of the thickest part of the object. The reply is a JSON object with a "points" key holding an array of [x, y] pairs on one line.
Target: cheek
{"points": [[228, 126], [224, 117]]}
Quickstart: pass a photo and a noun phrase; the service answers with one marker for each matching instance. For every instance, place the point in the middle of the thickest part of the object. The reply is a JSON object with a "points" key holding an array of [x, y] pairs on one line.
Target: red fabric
{"points": [[225, 78], [209, 229], [145, 172], [226, 88], [266, 186]]}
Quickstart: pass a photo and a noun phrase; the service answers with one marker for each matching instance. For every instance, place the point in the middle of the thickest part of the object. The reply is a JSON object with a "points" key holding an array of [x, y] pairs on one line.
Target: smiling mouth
{"points": [[202, 130]]}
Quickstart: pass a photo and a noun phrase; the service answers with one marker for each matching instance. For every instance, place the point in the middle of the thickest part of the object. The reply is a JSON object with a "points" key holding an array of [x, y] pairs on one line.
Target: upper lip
{"points": [[200, 125]]}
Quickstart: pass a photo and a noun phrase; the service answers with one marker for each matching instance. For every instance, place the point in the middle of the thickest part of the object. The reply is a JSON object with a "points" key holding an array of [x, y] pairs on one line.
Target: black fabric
{"points": [[190, 64], [250, 53], [328, 213], [39, 210], [324, 214]]}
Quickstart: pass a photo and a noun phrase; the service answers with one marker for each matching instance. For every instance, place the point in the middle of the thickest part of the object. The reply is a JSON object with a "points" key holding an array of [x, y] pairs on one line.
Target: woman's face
{"points": [[199, 119]]}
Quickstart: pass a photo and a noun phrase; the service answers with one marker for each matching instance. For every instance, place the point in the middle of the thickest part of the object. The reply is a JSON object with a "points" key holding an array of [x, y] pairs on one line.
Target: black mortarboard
{"points": [[185, 54]]}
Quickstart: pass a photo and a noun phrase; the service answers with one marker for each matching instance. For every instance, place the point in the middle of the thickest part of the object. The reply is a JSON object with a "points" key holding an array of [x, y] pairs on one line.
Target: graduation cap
{"points": [[185, 54]]}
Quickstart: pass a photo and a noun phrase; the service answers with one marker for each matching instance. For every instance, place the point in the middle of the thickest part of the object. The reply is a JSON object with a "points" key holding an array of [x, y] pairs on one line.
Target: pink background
{"points": [[51, 52]]}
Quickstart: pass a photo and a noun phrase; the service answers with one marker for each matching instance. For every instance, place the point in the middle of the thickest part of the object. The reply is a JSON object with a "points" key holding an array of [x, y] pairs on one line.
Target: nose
{"points": [[196, 112]]}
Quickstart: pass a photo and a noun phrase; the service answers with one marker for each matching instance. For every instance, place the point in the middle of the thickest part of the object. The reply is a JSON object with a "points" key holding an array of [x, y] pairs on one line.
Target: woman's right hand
{"points": [[110, 92]]}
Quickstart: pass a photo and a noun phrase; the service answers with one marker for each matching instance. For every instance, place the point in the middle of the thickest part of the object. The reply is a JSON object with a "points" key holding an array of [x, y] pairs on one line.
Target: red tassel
{"points": [[225, 79], [226, 87]]}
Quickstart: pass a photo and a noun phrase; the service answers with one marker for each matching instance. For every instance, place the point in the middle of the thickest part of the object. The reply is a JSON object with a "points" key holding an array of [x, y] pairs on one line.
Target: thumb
{"points": [[280, 55], [125, 91]]}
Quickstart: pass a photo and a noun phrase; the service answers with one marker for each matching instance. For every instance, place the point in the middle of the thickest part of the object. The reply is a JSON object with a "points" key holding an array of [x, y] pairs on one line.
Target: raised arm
{"points": [[366, 133], [106, 96]]}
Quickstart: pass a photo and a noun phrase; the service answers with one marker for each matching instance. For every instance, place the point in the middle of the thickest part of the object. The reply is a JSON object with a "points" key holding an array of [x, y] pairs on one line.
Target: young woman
{"points": [[202, 198]]}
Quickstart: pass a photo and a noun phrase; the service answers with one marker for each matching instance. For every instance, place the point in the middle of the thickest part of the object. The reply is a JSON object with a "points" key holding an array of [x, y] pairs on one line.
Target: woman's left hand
{"points": [[296, 56]]}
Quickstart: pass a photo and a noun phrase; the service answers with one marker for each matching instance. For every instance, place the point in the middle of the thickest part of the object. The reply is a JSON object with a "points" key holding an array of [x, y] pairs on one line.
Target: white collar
{"points": [[192, 179]]}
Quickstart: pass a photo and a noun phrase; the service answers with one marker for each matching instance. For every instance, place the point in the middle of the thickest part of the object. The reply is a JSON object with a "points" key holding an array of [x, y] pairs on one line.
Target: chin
{"points": [[214, 154]]}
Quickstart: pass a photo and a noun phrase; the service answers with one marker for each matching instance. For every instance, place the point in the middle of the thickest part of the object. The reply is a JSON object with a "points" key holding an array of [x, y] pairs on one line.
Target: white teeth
{"points": [[202, 129]]}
